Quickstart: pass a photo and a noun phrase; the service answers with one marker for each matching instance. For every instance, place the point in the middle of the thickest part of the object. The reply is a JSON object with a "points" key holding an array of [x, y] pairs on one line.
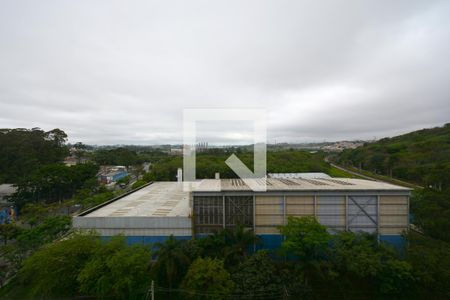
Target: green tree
{"points": [[258, 276], [231, 244], [50, 229], [33, 213], [80, 151], [396, 279], [117, 270], [52, 271], [54, 182], [430, 259], [359, 266], [356, 254], [208, 278], [137, 184], [24, 150], [8, 232], [305, 238], [431, 210], [213, 245], [238, 241], [171, 264]]}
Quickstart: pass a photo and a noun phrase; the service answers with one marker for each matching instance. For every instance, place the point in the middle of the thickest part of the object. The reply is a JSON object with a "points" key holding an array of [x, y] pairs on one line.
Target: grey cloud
{"points": [[115, 72]]}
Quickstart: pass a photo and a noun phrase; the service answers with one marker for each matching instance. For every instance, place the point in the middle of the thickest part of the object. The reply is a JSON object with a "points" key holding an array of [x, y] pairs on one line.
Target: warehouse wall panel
{"points": [[394, 214], [362, 213], [269, 213], [300, 206], [333, 221], [300, 210], [269, 220], [393, 209], [394, 200], [394, 220], [269, 209], [330, 211], [262, 200], [300, 200]]}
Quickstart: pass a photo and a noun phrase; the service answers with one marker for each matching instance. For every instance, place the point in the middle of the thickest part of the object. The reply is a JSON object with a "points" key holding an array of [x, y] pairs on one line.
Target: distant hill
{"points": [[422, 157]]}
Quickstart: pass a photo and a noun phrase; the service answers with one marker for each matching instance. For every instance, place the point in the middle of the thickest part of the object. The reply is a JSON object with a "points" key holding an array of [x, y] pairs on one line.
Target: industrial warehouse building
{"points": [[161, 209]]}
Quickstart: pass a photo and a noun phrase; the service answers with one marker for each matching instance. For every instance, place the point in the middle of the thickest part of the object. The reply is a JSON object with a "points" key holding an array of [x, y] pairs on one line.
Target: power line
{"points": [[264, 294]]}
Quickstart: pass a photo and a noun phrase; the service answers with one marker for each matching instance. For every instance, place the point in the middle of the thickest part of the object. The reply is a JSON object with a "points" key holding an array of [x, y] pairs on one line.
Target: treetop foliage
{"points": [[24, 150]]}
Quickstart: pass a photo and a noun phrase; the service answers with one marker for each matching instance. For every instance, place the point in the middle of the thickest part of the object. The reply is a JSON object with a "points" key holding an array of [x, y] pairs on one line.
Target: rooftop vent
{"points": [[337, 181]]}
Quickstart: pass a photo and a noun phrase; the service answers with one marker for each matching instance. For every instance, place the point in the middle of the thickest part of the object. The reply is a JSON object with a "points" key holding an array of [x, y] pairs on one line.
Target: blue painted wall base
{"points": [[397, 241], [267, 241]]}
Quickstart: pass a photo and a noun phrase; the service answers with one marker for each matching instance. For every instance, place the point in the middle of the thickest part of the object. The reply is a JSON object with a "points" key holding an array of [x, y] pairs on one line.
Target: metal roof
{"points": [[299, 175], [160, 199], [7, 189], [297, 184]]}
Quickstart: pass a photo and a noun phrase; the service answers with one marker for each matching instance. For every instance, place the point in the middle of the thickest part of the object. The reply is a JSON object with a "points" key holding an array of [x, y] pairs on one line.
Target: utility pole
{"points": [[153, 290]]}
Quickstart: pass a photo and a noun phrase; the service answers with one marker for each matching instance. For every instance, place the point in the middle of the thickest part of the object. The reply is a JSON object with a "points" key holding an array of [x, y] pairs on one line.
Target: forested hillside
{"points": [[422, 157]]}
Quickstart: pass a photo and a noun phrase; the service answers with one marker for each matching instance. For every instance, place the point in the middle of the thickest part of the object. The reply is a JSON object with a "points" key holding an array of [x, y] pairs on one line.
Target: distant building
{"points": [[7, 211], [201, 147], [72, 160], [342, 145], [146, 166], [109, 174], [176, 151]]}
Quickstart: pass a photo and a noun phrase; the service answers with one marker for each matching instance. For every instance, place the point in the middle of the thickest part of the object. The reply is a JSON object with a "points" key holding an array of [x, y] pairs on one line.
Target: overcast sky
{"points": [[121, 72]]}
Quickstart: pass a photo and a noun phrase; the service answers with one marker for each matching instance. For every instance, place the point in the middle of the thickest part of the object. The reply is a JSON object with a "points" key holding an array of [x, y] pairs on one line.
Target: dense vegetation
{"points": [[45, 259], [422, 157], [207, 164], [55, 182], [47, 190], [311, 264], [22, 151]]}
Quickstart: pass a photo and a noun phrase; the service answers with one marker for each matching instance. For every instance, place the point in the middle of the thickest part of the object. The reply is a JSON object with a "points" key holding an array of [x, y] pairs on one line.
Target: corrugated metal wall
{"points": [[331, 211], [136, 226], [393, 214], [269, 214], [362, 213], [300, 206], [368, 213]]}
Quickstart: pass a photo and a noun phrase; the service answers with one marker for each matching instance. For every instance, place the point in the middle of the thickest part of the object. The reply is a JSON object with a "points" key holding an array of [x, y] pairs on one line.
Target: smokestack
{"points": [[217, 175], [180, 175]]}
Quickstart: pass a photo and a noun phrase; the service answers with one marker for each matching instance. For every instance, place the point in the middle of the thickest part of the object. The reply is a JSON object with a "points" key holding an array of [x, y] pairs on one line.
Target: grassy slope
{"points": [[413, 157]]}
